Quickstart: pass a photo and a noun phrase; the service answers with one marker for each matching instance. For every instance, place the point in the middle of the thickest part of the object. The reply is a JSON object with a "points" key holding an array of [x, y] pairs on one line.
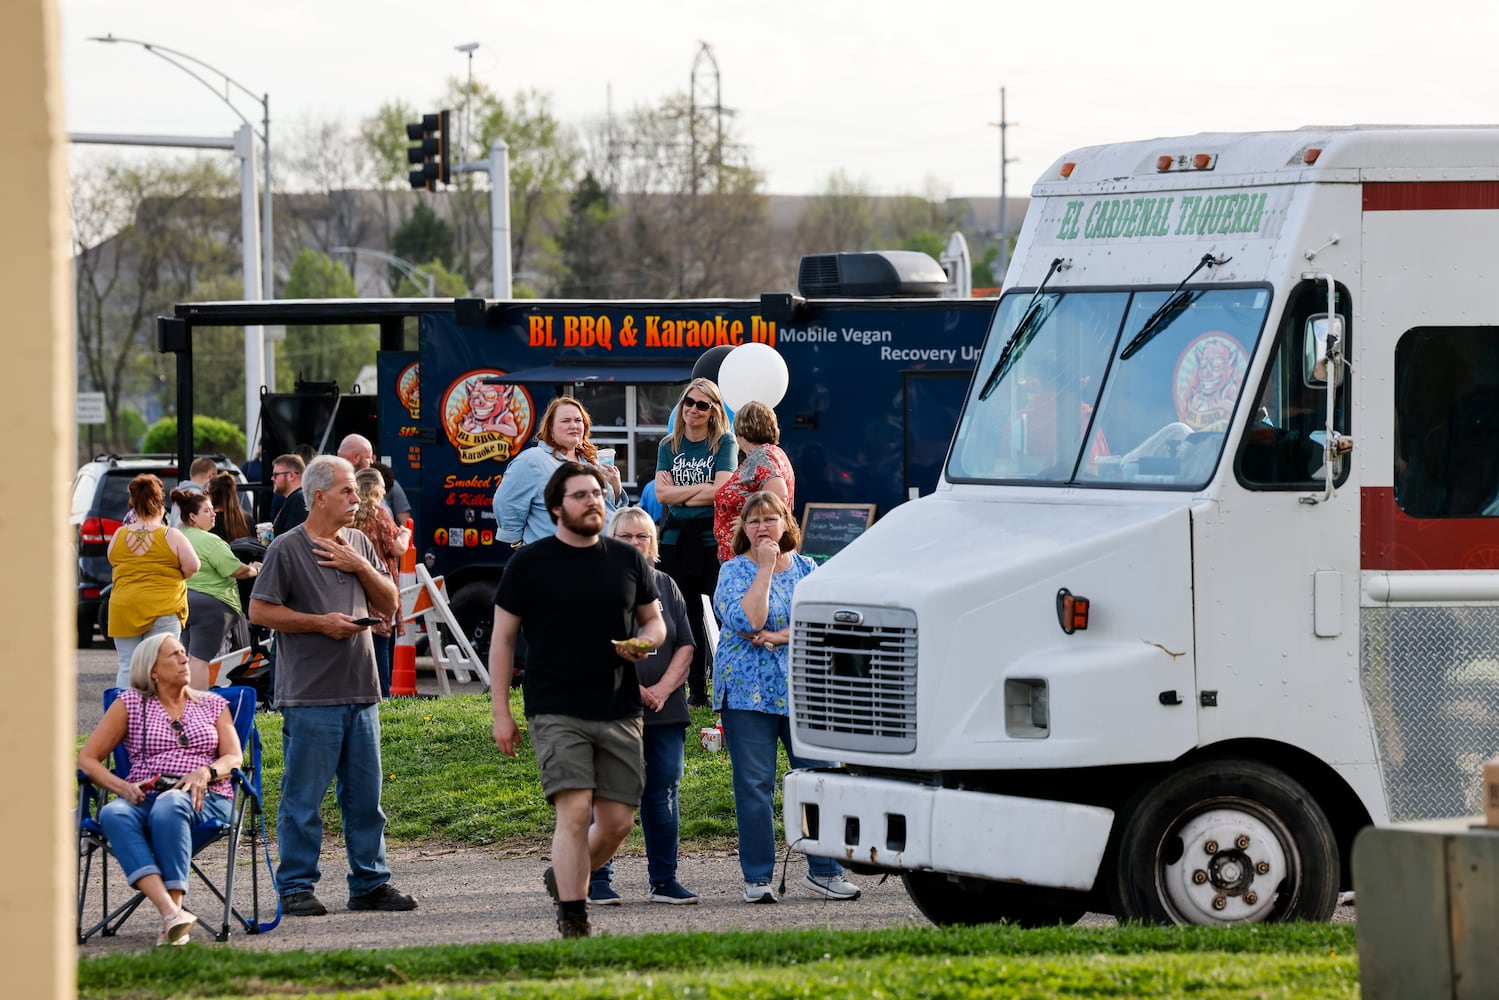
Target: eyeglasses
{"points": [[644, 536], [182, 740], [701, 405], [763, 522], [583, 496], [278, 475]]}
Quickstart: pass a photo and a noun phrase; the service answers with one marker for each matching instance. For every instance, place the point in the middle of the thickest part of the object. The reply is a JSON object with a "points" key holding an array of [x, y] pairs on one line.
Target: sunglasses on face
{"points": [[701, 405]]}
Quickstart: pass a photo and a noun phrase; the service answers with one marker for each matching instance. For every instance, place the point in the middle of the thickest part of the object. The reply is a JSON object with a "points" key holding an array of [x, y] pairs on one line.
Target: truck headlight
{"points": [[1027, 708]]}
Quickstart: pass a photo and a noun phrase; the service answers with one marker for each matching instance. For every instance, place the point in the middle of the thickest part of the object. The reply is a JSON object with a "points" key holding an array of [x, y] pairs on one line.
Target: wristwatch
{"points": [[213, 774]]}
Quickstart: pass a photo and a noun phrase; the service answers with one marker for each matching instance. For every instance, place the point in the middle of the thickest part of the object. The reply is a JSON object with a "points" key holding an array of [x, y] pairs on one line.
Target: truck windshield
{"points": [[1068, 408]]}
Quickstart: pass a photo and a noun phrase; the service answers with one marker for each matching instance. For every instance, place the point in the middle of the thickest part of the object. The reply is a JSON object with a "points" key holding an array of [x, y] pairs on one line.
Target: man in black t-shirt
{"points": [[587, 606]]}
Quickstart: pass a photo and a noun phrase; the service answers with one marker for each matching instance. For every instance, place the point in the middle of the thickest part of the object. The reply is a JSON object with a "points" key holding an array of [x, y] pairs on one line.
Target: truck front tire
{"points": [[1225, 842], [944, 900]]}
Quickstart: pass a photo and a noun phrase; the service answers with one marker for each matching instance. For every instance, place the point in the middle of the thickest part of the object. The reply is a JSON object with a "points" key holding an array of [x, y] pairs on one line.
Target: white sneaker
{"points": [[759, 892], [830, 887]]}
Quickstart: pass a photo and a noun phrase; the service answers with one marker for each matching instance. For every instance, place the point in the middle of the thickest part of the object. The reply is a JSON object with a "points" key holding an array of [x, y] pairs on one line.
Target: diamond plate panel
{"points": [[1431, 678]]}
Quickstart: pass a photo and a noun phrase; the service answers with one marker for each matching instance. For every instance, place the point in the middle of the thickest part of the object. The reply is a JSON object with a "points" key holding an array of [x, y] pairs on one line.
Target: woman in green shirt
{"points": [[213, 608], [696, 459]]}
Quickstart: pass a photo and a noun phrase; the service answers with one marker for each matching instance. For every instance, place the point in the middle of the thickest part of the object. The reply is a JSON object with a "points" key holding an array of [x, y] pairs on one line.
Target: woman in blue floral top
{"points": [[753, 601]]}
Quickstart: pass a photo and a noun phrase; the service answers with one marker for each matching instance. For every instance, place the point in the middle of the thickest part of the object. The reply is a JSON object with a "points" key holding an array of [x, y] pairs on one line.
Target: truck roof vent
{"points": [[870, 275]]}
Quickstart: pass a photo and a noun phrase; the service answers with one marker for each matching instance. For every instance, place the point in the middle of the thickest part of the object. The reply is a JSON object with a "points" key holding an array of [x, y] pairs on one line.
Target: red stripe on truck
{"points": [[1430, 196], [1391, 539]]}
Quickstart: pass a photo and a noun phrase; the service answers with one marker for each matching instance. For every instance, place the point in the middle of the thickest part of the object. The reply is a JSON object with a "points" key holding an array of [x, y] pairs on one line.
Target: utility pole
{"points": [[1002, 262]]}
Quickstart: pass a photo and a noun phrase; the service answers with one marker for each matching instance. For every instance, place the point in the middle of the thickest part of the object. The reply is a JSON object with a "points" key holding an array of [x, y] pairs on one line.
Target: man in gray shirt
{"points": [[320, 588]]}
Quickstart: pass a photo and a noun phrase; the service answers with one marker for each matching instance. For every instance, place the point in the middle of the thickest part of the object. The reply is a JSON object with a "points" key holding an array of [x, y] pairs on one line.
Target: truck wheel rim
{"points": [[1226, 865]]}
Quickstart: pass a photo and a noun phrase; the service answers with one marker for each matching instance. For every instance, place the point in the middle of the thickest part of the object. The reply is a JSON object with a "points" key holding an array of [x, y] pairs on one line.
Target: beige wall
{"points": [[37, 712]]}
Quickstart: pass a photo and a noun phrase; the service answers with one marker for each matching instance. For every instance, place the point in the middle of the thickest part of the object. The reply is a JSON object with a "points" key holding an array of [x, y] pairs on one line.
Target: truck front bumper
{"points": [[911, 827]]}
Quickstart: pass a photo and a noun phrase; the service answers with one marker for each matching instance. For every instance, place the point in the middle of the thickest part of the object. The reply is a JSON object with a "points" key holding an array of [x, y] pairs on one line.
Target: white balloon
{"points": [[753, 372]]}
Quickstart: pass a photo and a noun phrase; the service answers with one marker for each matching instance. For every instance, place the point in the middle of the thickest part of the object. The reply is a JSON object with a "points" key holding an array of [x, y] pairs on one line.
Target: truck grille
{"points": [[853, 678]]}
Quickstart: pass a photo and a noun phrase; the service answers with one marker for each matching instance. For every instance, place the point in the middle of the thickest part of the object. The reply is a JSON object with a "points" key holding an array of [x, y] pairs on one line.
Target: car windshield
{"points": [[1068, 409]]}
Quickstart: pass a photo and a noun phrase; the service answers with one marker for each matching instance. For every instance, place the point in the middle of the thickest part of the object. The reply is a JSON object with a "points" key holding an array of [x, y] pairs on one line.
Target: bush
{"points": [[210, 435]]}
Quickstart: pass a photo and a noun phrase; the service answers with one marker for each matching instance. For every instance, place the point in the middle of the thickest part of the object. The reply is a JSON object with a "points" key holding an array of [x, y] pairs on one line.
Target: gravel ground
{"points": [[468, 895], [478, 894]]}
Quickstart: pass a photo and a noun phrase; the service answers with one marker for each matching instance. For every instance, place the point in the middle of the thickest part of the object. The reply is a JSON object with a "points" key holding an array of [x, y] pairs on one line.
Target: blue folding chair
{"points": [[245, 816]]}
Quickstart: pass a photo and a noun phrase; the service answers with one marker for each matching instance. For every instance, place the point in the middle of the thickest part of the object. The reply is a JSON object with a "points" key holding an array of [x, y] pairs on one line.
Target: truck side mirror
{"points": [[1314, 347]]}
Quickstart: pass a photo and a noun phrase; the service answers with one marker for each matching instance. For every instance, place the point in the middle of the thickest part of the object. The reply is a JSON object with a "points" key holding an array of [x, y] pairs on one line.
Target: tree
{"points": [[542, 153], [590, 242], [145, 234], [445, 284], [695, 216], [327, 353], [331, 168], [210, 435], [424, 237], [383, 142], [840, 218]]}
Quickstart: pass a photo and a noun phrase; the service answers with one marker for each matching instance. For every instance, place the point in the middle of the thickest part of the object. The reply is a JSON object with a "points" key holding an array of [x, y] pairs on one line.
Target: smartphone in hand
{"points": [[366, 621]]}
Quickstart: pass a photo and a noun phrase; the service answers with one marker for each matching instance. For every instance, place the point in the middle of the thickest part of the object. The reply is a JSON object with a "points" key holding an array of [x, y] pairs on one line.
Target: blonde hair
{"points": [[718, 420], [642, 522], [366, 481], [143, 660]]}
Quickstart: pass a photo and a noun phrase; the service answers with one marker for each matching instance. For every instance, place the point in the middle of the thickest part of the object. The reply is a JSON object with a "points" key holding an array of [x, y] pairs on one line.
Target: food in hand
{"points": [[637, 644]]}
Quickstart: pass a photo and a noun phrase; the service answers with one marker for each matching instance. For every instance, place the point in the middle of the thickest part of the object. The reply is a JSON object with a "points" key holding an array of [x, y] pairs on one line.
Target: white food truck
{"points": [[1211, 578]]}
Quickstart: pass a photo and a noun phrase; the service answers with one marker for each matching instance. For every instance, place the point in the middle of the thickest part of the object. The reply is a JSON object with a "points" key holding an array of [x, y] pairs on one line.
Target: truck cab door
{"points": [[1276, 571]]}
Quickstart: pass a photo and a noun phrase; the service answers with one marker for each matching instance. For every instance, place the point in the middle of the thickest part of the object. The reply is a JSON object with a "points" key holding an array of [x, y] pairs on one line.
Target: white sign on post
{"points": [[90, 408]]}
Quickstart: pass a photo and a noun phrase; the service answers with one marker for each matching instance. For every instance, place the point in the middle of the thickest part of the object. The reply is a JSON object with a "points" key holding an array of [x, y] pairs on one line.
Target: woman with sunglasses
{"points": [[175, 736], [520, 510], [691, 464]]}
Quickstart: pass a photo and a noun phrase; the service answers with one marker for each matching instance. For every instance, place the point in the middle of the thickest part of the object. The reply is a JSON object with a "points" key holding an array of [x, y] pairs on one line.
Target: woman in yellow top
{"points": [[151, 565]]}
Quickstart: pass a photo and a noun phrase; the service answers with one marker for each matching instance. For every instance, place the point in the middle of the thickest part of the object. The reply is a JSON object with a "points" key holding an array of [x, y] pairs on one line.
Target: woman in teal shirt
{"points": [[213, 608], [691, 465]]}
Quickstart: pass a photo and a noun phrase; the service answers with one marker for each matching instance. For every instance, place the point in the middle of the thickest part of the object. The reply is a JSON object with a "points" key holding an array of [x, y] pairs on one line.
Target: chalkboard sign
{"points": [[828, 527]]}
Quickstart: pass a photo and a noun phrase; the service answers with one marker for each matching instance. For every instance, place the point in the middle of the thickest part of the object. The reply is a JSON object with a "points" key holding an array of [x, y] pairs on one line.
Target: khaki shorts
{"points": [[604, 755]]}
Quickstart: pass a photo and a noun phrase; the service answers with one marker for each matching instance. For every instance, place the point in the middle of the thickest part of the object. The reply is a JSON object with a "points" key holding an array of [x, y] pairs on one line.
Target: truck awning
{"points": [[601, 372]]}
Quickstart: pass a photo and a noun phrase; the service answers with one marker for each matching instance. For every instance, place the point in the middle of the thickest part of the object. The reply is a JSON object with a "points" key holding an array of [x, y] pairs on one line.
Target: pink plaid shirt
{"points": [[153, 745]]}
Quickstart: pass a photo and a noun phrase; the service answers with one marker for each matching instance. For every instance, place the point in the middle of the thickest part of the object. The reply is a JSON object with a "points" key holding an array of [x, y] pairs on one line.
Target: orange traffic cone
{"points": [[403, 656]]}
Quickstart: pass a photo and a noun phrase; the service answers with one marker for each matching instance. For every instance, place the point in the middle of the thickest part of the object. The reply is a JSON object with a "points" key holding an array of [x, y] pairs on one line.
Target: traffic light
{"points": [[431, 136]]}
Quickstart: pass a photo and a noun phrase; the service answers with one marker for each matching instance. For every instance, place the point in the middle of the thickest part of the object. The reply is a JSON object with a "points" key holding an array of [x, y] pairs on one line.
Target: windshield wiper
{"points": [[1024, 329], [1168, 311]]}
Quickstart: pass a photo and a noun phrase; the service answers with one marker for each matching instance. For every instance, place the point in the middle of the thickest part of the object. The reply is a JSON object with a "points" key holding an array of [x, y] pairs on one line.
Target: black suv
{"points": [[101, 495]]}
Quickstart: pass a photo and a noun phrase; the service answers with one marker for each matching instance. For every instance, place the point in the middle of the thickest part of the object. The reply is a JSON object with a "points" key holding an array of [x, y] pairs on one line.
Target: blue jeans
{"points": [[751, 738], [126, 646], [320, 743], [157, 837], [384, 644], [664, 748]]}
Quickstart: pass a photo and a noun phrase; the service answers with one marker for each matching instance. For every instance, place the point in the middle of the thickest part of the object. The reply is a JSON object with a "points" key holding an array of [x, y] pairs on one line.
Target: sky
{"points": [[900, 97]]}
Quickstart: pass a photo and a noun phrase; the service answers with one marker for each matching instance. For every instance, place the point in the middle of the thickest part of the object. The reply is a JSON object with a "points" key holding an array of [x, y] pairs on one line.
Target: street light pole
{"points": [[268, 273]]}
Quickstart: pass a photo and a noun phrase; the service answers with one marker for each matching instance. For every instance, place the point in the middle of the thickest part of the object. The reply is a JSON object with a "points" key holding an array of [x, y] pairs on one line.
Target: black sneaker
{"points": [[382, 897], [303, 904], [549, 879], [573, 925]]}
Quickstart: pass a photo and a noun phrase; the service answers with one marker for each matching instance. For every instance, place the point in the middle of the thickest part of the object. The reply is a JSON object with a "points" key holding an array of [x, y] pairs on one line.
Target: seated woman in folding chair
{"points": [[175, 737]]}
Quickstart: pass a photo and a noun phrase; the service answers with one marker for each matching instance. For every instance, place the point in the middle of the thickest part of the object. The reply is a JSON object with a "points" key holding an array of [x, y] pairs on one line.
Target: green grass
{"points": [[1299, 960], [445, 779]]}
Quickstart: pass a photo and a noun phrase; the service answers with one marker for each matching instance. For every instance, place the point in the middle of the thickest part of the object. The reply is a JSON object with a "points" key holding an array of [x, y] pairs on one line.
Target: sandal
{"points": [[176, 929]]}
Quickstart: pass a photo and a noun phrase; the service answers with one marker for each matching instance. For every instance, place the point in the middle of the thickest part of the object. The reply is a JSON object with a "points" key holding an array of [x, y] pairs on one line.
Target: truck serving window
{"points": [[1446, 420], [1069, 409]]}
